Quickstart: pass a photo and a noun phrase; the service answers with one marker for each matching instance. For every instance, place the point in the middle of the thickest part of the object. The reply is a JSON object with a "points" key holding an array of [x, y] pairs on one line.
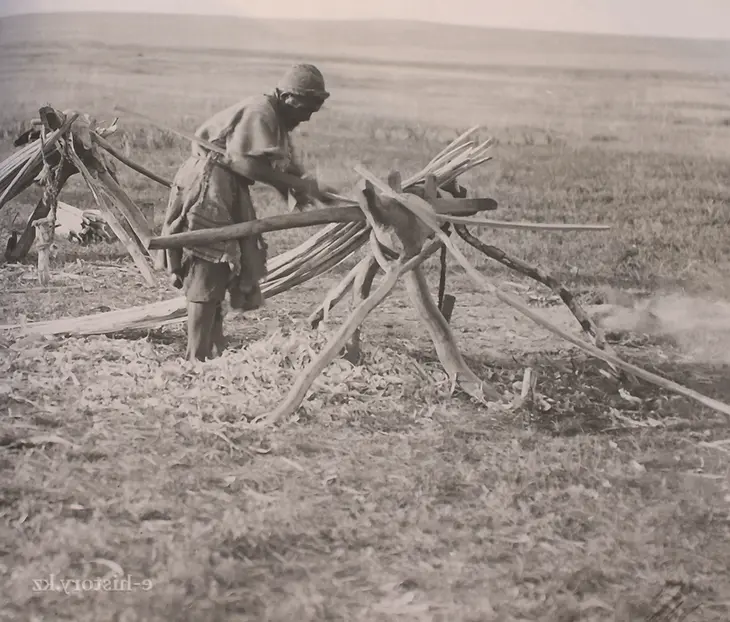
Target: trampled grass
{"points": [[387, 498]]}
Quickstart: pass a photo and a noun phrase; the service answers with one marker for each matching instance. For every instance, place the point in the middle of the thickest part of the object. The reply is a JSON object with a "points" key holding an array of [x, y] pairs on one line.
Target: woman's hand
{"points": [[315, 191]]}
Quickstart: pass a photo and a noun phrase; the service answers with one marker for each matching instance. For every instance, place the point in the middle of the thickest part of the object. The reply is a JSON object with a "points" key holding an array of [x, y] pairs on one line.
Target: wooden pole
{"points": [[336, 294], [367, 269], [279, 222], [105, 144], [410, 231], [124, 204], [296, 220]]}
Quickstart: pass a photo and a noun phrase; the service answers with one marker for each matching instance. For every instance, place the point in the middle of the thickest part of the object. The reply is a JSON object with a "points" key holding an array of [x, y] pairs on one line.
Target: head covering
{"points": [[305, 80]]}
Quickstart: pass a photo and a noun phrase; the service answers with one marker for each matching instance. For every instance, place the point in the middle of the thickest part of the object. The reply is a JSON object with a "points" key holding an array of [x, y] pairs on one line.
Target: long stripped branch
{"points": [[339, 340]]}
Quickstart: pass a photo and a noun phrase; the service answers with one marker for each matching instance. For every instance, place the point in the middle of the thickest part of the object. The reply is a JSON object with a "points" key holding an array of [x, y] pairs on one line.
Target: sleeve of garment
{"points": [[295, 166], [255, 135]]}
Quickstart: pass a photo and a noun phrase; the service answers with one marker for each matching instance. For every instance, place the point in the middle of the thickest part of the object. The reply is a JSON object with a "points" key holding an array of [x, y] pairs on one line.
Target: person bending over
{"points": [[255, 134]]}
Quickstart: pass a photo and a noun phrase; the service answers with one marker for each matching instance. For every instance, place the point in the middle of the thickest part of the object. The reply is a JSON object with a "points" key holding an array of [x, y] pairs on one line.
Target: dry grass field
{"points": [[386, 498]]}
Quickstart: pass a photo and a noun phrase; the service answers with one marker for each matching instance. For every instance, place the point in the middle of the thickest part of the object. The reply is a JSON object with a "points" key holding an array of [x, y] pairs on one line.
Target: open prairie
{"points": [[386, 498]]}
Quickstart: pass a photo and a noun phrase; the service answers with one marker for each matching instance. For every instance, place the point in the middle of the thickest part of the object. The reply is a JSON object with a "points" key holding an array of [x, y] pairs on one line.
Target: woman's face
{"points": [[299, 109]]}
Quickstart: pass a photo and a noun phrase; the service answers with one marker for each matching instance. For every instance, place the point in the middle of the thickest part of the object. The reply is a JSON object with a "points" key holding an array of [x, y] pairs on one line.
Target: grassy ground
{"points": [[386, 498]]}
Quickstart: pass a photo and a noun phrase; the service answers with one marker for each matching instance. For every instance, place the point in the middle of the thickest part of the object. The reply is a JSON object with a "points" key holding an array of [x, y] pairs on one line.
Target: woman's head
{"points": [[302, 92]]}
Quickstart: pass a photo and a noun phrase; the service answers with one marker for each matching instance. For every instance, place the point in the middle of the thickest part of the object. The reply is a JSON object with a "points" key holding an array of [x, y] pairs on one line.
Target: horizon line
{"points": [[595, 33]]}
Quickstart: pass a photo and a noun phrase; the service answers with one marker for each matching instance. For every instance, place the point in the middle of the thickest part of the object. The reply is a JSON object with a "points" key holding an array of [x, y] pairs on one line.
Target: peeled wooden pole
{"points": [[336, 294], [362, 286], [338, 341], [300, 276], [351, 238], [115, 221], [124, 204], [323, 236], [279, 222], [446, 349], [295, 220], [331, 215], [524, 226], [15, 161]]}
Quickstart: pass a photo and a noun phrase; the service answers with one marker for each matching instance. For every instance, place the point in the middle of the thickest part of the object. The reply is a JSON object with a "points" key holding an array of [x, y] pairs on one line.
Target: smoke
{"points": [[699, 327]]}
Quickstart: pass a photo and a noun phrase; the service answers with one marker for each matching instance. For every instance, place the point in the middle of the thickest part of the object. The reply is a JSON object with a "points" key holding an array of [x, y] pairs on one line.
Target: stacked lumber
{"points": [[20, 170]]}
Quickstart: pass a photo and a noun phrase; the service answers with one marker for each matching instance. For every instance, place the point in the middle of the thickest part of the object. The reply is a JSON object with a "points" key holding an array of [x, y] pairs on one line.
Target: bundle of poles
{"points": [[415, 214]]}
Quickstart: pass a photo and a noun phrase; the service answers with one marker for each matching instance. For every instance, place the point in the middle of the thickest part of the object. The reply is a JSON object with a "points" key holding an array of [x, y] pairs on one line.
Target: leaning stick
{"points": [[410, 233], [541, 276], [286, 283], [339, 340], [155, 314], [361, 287], [448, 157], [378, 235], [443, 340], [423, 210], [529, 226], [438, 158], [44, 239], [323, 236], [165, 311], [248, 167], [34, 160], [107, 209], [15, 161], [131, 164], [336, 294], [127, 207]]}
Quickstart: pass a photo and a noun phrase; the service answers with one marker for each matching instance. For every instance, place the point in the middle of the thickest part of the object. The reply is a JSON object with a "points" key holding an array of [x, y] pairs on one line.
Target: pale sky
{"points": [[679, 18]]}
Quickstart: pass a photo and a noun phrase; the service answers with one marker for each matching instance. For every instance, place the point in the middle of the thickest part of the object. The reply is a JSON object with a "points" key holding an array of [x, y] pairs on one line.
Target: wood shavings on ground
{"points": [[123, 375]]}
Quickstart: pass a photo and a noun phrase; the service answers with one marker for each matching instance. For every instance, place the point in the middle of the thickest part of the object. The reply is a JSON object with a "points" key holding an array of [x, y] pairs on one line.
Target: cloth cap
{"points": [[305, 80]]}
